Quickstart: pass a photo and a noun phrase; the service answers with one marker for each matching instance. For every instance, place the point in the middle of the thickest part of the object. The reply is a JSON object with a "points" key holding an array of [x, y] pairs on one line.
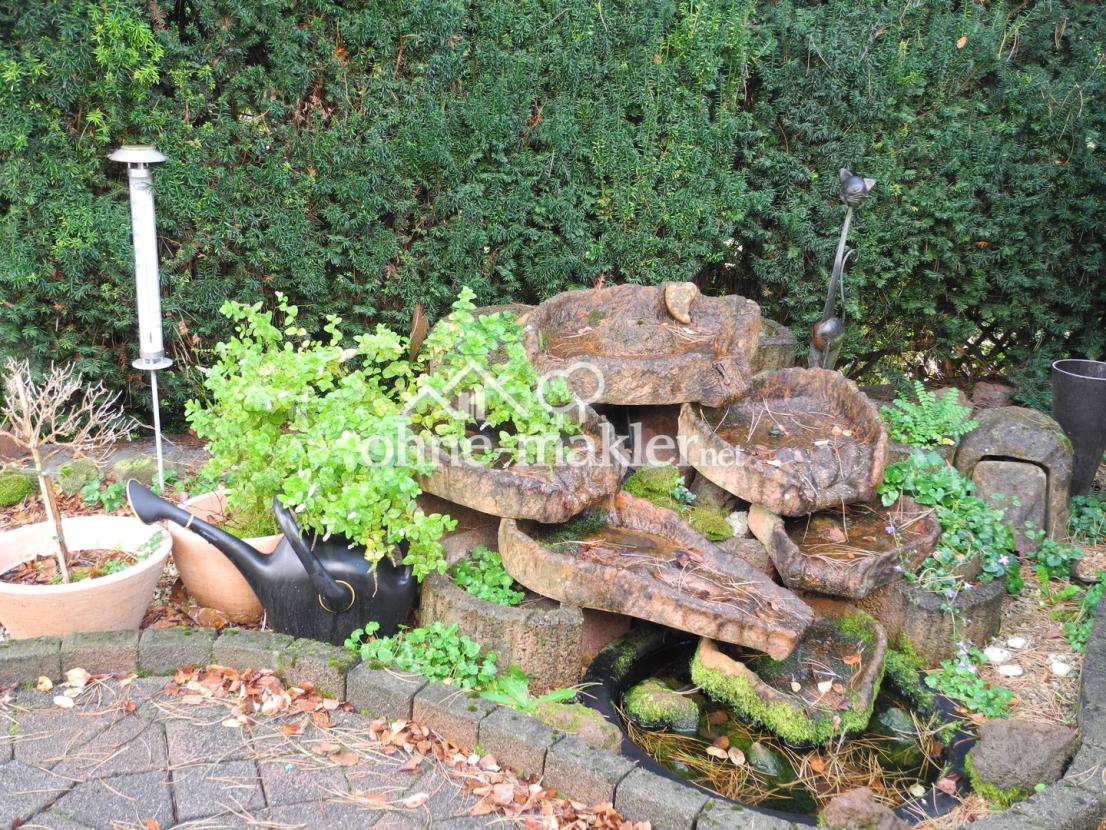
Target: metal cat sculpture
{"points": [[828, 334], [308, 587]]}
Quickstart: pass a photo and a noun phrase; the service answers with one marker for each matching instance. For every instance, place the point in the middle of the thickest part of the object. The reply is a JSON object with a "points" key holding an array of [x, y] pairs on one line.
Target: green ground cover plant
{"points": [[443, 655], [927, 421], [969, 528], [959, 680], [365, 157], [482, 574], [1087, 519], [437, 652]]}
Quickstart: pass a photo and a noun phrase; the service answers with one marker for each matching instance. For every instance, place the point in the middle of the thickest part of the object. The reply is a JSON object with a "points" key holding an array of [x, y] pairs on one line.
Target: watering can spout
{"points": [[151, 508]]}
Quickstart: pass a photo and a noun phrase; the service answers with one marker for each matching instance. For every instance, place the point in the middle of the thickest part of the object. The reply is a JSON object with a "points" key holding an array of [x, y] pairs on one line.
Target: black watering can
{"points": [[308, 587]]}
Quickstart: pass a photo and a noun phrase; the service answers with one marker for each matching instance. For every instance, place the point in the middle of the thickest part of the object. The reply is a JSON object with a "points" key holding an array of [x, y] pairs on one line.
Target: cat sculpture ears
{"points": [[854, 188]]}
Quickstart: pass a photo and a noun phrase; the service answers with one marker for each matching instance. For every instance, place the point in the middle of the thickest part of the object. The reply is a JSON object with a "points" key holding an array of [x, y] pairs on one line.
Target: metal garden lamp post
{"points": [[828, 334], [151, 347]]}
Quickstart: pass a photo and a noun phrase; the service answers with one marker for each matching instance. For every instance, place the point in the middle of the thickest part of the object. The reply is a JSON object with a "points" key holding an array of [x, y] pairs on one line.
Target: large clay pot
{"points": [[209, 576], [106, 603]]}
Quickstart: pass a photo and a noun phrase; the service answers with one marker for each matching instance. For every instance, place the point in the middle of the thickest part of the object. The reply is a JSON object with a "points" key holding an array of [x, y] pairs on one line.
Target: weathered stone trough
{"points": [[826, 687], [592, 469], [847, 553], [624, 344], [802, 440], [644, 561]]}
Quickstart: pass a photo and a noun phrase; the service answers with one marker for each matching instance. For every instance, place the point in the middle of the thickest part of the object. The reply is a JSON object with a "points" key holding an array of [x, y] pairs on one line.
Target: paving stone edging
{"points": [[573, 768]]}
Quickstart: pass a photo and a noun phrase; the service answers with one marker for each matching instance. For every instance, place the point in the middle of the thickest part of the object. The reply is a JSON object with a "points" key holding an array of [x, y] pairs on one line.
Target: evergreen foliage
{"points": [[361, 157]]}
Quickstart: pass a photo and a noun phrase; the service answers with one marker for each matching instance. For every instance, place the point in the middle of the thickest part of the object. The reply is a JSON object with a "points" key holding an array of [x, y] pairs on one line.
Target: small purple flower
{"points": [[890, 529], [1004, 560]]}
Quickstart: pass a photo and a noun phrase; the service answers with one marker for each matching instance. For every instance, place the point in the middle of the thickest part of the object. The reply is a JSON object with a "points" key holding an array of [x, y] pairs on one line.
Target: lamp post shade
{"points": [[151, 346]]}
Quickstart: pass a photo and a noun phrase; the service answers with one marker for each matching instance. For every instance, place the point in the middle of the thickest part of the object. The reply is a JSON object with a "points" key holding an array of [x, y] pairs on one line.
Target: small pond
{"points": [[906, 749]]}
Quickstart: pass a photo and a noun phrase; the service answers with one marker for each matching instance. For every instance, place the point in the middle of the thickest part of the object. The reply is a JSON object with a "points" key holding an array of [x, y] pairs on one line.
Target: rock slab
{"points": [[1019, 754], [706, 591], [859, 810]]}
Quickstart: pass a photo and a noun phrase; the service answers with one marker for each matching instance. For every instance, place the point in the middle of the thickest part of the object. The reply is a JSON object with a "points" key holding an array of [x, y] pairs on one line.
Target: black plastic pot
{"points": [[308, 587], [1079, 406], [639, 654]]}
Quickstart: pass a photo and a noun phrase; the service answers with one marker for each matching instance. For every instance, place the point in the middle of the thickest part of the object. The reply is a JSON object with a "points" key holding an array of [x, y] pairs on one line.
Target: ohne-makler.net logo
{"points": [[467, 392]]}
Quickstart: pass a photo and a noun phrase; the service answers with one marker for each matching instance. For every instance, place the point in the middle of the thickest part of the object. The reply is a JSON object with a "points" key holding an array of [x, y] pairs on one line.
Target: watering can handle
{"points": [[335, 595]]}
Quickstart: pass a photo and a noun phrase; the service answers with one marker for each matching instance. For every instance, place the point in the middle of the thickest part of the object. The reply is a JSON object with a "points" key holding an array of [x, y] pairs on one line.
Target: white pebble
{"points": [[1011, 670], [1061, 669], [1017, 642], [994, 654]]}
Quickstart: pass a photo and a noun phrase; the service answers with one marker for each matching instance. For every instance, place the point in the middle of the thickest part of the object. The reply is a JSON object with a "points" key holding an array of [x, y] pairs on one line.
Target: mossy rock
{"points": [[656, 485], [995, 796], [582, 721], [901, 749], [711, 522], [652, 705], [141, 469], [902, 668], [14, 487], [74, 475], [760, 689]]}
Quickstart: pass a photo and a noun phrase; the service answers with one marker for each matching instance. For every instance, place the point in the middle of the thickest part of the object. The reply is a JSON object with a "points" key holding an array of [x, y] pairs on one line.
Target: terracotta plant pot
{"points": [[208, 575], [106, 603]]}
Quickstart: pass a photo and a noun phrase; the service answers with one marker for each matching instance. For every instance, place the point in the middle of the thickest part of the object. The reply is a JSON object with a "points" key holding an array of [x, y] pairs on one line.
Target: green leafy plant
{"points": [[1076, 625], [969, 528], [481, 573], [481, 360], [1053, 559], [318, 424], [437, 652], [1087, 519], [927, 421], [513, 689], [959, 680], [109, 496]]}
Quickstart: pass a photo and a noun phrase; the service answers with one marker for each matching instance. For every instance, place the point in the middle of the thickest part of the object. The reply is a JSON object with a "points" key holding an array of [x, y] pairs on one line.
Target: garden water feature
{"points": [[788, 677]]}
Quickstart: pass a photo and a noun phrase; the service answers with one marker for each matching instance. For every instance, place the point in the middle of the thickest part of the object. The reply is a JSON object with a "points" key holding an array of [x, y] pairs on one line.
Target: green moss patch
{"points": [[653, 705], [711, 522], [14, 487], [657, 485], [996, 796], [792, 715]]}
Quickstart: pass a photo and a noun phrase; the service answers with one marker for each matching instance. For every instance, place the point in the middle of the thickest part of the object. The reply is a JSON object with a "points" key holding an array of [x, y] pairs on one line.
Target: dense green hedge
{"points": [[365, 156]]}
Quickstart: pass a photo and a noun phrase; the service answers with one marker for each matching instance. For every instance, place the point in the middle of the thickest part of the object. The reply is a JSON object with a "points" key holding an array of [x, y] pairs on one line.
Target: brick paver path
{"points": [[132, 756]]}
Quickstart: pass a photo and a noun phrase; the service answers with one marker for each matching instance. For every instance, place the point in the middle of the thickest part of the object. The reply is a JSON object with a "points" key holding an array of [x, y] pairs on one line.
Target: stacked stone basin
{"points": [[644, 561], [628, 345], [801, 440], [850, 551], [590, 469]]}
